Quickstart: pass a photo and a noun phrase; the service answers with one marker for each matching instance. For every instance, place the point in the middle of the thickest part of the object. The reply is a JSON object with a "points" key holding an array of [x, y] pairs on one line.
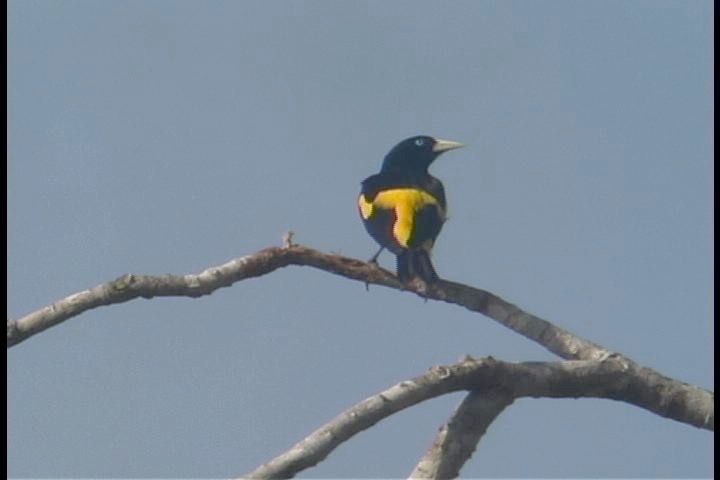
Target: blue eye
{"points": [[419, 142]]}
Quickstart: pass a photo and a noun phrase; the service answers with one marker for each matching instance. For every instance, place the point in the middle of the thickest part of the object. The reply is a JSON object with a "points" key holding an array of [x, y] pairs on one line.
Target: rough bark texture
{"points": [[457, 439]]}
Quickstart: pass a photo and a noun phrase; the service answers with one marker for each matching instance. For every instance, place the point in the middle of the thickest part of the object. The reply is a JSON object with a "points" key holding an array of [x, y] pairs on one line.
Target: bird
{"points": [[403, 207]]}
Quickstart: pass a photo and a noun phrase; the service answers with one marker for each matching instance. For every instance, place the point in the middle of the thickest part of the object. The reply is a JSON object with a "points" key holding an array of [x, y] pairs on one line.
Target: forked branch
{"points": [[496, 384], [670, 398]]}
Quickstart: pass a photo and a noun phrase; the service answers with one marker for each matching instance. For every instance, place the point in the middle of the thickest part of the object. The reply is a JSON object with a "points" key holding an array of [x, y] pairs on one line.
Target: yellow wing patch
{"points": [[366, 208], [406, 202]]}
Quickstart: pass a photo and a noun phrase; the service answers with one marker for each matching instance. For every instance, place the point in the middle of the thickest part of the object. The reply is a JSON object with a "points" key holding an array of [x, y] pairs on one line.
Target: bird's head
{"points": [[415, 154]]}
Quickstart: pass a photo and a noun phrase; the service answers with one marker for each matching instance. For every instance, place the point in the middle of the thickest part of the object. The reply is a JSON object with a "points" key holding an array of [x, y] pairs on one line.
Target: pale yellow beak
{"points": [[445, 145]]}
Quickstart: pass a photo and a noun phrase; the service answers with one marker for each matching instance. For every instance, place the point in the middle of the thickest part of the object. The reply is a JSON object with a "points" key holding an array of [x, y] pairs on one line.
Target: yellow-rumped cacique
{"points": [[404, 207]]}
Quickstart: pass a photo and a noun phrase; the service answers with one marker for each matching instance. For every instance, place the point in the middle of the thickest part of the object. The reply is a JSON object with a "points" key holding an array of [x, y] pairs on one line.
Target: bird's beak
{"points": [[445, 145]]}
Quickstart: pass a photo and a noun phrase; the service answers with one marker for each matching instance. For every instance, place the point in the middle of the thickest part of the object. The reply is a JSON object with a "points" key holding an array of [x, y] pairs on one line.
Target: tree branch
{"points": [[130, 286], [610, 378], [457, 439], [675, 396]]}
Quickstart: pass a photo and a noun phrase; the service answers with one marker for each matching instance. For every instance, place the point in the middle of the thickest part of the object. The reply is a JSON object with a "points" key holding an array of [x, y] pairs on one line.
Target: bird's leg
{"points": [[374, 258]]}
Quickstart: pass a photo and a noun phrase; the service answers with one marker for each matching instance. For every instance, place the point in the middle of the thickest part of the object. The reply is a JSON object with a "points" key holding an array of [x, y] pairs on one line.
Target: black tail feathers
{"points": [[423, 266], [416, 263]]}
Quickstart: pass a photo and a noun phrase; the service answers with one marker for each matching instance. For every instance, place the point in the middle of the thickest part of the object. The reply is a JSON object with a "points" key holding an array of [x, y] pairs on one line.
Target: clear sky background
{"points": [[169, 136]]}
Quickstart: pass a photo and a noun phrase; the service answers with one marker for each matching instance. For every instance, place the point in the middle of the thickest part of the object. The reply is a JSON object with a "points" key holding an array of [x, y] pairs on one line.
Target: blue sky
{"points": [[169, 136]]}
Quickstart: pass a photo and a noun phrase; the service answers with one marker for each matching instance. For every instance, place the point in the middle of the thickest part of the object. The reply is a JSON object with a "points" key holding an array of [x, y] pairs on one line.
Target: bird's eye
{"points": [[419, 142]]}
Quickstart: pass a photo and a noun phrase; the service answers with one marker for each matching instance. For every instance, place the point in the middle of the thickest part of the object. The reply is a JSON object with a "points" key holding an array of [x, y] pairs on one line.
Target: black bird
{"points": [[403, 207]]}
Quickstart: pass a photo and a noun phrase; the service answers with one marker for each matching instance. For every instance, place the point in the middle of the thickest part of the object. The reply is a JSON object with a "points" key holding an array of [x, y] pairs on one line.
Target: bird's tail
{"points": [[416, 263]]}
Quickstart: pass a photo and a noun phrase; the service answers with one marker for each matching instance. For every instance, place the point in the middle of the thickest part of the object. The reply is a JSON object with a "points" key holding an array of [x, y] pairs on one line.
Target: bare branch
{"points": [[457, 439], [610, 378], [553, 338], [130, 286]]}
